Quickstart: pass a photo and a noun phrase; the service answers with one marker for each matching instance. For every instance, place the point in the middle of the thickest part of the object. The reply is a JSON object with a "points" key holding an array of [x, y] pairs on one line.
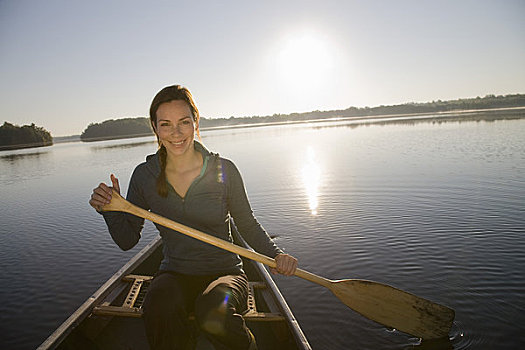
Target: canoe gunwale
{"points": [[293, 324], [86, 308], [111, 287]]}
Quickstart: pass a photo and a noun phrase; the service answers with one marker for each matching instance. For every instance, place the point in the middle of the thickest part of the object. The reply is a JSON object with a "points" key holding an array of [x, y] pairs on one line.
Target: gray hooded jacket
{"points": [[214, 196]]}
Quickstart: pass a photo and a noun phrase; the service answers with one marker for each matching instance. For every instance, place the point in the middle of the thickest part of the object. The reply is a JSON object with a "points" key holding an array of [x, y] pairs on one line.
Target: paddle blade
{"points": [[395, 308]]}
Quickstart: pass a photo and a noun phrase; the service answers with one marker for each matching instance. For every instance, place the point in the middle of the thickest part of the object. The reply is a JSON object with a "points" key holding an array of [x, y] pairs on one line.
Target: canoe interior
{"points": [[116, 332]]}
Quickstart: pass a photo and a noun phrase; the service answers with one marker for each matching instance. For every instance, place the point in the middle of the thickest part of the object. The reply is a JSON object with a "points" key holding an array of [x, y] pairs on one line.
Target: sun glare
{"points": [[304, 60]]}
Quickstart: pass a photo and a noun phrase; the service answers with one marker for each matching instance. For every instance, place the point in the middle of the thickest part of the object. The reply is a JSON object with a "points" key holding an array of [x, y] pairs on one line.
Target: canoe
{"points": [[111, 317]]}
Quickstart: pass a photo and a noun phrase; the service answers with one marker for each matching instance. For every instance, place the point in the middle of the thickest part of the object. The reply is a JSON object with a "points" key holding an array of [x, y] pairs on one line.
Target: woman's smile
{"points": [[177, 143]]}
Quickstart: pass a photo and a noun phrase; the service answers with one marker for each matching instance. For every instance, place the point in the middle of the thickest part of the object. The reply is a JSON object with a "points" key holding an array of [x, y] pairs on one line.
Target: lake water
{"points": [[437, 209]]}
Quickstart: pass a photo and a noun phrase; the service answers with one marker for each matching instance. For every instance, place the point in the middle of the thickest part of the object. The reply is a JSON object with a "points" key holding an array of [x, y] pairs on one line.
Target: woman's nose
{"points": [[176, 129]]}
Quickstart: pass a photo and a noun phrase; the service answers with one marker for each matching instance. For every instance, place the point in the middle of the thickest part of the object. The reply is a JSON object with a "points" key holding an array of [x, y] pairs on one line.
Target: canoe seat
{"points": [[131, 305]]}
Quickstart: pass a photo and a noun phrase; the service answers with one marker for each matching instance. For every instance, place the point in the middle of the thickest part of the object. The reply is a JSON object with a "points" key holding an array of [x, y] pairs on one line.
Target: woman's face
{"points": [[175, 127]]}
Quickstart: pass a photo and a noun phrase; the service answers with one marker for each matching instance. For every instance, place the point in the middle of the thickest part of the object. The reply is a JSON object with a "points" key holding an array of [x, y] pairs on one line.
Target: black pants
{"points": [[217, 302]]}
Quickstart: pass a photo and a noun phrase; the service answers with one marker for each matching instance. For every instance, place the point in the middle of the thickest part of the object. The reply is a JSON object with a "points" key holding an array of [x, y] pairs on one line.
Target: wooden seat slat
{"points": [[129, 309]]}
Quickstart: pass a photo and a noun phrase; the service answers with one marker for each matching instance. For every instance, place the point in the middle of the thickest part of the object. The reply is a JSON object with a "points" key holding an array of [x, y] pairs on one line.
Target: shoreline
{"points": [[456, 115], [487, 114]]}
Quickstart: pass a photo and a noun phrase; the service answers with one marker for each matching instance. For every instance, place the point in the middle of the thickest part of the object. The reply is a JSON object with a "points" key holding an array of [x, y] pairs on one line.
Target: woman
{"points": [[185, 182]]}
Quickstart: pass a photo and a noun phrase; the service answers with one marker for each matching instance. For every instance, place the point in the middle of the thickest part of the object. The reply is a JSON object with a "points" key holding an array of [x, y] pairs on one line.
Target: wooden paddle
{"points": [[379, 302]]}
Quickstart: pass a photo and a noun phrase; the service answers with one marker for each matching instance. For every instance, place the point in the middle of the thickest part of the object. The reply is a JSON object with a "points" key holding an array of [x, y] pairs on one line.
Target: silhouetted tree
{"points": [[117, 128], [14, 136]]}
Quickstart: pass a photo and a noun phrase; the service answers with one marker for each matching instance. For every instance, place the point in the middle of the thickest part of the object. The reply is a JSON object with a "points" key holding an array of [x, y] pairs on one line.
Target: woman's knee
{"points": [[213, 310]]}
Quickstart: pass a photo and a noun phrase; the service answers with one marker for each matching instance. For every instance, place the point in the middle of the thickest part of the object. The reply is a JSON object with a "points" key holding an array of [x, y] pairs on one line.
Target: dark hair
{"points": [[168, 94]]}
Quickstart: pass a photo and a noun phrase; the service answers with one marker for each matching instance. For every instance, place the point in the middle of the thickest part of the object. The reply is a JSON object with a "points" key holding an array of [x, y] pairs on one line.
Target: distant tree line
{"points": [[117, 128], [135, 127], [15, 137], [489, 101]]}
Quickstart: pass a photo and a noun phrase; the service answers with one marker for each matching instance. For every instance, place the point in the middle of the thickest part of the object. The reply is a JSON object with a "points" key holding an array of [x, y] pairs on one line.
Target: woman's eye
{"points": [[186, 122]]}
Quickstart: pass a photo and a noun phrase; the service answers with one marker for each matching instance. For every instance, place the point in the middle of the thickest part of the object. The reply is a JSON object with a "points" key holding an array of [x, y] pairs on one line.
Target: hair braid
{"points": [[162, 183]]}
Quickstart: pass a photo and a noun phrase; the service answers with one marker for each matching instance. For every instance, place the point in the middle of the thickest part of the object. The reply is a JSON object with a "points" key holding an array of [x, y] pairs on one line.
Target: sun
{"points": [[304, 59]]}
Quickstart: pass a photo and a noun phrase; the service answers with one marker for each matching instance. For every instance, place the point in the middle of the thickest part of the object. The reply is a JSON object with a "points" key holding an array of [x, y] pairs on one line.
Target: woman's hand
{"points": [[286, 265], [102, 194]]}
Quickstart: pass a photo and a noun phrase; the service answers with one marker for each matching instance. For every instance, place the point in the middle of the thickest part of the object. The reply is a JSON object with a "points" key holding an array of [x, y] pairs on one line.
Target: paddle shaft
{"points": [[382, 303], [120, 204]]}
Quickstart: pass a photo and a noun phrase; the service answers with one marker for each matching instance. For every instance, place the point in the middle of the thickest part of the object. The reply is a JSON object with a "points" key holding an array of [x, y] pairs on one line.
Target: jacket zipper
{"points": [[193, 183]]}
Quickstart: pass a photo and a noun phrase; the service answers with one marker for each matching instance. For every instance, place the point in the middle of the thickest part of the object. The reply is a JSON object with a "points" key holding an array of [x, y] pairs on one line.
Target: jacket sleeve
{"points": [[242, 214], [125, 228]]}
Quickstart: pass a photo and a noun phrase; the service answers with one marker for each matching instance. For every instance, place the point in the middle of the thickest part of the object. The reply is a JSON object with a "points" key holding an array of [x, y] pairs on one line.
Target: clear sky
{"points": [[67, 63]]}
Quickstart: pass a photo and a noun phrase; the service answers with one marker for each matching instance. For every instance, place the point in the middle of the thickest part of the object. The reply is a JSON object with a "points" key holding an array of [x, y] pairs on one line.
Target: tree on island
{"points": [[117, 128], [15, 137]]}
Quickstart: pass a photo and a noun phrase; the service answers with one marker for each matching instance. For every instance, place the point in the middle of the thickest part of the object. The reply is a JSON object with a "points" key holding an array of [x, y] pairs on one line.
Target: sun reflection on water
{"points": [[311, 180]]}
